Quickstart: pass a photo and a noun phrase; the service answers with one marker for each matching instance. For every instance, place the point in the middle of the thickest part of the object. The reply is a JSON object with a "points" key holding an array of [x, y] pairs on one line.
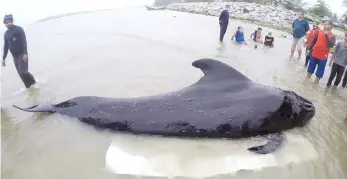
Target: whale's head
{"points": [[295, 111]]}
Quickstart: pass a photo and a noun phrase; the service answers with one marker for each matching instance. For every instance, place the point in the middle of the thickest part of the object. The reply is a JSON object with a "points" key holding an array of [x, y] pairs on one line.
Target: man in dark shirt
{"points": [[223, 22], [15, 41], [269, 40]]}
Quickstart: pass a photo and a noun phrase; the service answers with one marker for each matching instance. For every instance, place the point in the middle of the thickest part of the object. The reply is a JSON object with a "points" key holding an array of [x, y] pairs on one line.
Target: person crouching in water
{"points": [[309, 40], [238, 35], [340, 62], [320, 46], [256, 36], [269, 40]]}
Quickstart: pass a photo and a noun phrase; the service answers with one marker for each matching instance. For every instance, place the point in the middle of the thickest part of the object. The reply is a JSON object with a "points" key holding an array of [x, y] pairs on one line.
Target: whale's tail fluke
{"points": [[38, 108], [275, 141]]}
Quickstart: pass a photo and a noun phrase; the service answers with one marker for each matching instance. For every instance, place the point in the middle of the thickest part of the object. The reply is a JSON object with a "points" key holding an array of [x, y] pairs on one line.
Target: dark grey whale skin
{"points": [[222, 104]]}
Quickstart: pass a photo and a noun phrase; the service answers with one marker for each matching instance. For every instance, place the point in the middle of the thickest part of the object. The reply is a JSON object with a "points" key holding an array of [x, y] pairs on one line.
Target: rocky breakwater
{"points": [[277, 18]]}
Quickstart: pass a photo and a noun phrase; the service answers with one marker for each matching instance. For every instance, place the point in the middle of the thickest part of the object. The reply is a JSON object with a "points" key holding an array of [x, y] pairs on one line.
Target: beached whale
{"points": [[222, 104]]}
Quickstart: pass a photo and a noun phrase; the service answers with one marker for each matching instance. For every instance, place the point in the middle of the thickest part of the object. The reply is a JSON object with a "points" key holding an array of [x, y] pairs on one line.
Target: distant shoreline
{"points": [[277, 18]]}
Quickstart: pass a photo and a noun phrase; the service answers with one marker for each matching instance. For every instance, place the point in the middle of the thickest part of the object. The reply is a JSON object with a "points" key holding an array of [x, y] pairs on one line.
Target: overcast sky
{"points": [[27, 11]]}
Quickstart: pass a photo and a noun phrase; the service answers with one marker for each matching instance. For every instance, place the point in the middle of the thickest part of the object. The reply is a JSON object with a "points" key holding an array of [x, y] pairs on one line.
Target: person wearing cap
{"points": [[269, 40], [15, 41], [300, 28], [223, 22], [319, 49], [309, 40], [340, 62]]}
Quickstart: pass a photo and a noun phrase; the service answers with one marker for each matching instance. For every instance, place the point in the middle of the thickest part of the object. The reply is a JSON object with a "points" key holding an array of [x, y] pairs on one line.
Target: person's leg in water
{"points": [[223, 29], [332, 74], [344, 81], [311, 66], [339, 74], [320, 70], [299, 45], [22, 69], [307, 60], [294, 44]]}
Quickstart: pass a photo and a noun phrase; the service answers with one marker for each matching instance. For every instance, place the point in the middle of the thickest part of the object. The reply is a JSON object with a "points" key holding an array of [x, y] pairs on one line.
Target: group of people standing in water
{"points": [[238, 36], [318, 47]]}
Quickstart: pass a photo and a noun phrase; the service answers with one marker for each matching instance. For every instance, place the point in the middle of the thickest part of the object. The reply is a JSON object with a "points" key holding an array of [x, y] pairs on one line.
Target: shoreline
{"points": [[277, 18], [288, 31]]}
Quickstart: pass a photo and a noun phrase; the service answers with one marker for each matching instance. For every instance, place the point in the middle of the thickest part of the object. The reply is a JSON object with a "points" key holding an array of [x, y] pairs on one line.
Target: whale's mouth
{"points": [[303, 110]]}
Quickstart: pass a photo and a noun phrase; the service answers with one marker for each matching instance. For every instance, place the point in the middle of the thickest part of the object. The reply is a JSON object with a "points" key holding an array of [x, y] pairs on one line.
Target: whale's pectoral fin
{"points": [[38, 108], [275, 141], [216, 70]]}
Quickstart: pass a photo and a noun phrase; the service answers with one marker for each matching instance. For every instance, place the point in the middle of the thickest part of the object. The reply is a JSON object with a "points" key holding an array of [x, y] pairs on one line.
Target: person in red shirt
{"points": [[319, 48], [309, 40]]}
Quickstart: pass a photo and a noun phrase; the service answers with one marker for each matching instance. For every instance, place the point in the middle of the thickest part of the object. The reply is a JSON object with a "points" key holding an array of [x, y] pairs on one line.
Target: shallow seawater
{"points": [[133, 52]]}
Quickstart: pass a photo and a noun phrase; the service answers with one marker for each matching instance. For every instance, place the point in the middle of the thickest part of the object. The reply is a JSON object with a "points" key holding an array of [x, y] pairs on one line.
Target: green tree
{"points": [[296, 5], [321, 9]]}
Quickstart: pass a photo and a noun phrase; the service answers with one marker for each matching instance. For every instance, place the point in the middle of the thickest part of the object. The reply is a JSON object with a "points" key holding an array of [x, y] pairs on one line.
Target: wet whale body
{"points": [[222, 104]]}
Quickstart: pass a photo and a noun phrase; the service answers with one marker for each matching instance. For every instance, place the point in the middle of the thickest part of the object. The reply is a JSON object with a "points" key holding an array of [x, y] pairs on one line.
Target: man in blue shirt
{"points": [[300, 28], [15, 41]]}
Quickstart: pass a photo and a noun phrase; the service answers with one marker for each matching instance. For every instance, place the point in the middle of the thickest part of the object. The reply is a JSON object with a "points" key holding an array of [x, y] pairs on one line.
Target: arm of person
{"points": [[6, 47], [334, 55], [251, 36], [307, 28], [221, 16], [293, 24], [24, 40], [260, 39], [313, 42], [232, 37], [331, 41]]}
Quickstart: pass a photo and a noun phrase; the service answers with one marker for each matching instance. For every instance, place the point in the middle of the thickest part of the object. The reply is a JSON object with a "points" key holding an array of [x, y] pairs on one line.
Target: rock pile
{"points": [[277, 18]]}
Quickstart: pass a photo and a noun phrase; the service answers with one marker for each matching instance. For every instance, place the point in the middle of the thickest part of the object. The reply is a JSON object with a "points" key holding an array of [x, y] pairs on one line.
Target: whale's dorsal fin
{"points": [[217, 70]]}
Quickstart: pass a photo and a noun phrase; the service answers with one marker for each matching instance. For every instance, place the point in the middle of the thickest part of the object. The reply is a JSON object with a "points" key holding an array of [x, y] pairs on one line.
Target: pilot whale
{"points": [[222, 104]]}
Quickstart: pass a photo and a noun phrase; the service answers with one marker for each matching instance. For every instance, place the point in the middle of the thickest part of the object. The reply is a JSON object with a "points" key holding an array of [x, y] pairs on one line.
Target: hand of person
{"points": [[308, 52], [330, 63], [326, 32], [25, 58], [3, 63]]}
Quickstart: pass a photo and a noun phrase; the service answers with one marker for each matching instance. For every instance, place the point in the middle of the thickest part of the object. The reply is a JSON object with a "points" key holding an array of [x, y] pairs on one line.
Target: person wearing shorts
{"points": [[300, 28], [320, 46]]}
